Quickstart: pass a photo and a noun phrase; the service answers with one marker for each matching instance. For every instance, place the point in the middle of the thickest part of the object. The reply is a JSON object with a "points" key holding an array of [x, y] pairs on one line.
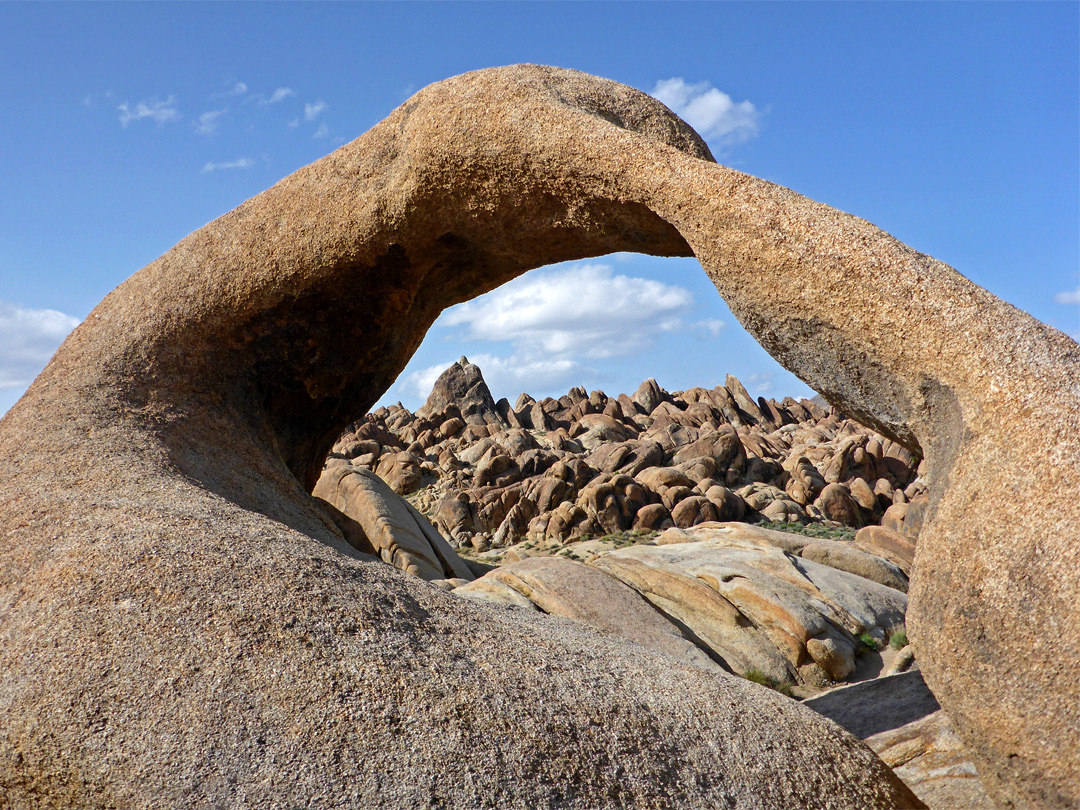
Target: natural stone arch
{"points": [[218, 377]]}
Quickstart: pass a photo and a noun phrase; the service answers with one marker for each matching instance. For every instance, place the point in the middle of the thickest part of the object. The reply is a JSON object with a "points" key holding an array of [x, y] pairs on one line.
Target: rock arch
{"points": [[190, 610]]}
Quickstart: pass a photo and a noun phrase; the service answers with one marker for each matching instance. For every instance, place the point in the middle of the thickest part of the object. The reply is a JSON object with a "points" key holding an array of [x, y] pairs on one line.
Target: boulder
{"points": [[692, 510], [888, 544], [374, 518], [791, 604], [562, 587], [653, 517], [463, 386], [649, 395], [401, 471], [743, 399], [836, 503], [932, 759]]}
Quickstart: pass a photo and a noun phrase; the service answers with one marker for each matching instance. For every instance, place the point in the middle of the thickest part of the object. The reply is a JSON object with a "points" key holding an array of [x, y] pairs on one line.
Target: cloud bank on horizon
{"points": [[552, 322]]}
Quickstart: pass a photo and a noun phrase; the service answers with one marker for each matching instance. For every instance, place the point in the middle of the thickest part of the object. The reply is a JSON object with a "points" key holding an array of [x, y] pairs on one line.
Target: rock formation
{"points": [[462, 385], [792, 608], [592, 467], [183, 624], [899, 718]]}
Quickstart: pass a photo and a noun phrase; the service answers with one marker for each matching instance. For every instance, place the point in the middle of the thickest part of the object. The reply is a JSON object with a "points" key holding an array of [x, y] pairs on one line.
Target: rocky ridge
{"points": [[501, 481]]}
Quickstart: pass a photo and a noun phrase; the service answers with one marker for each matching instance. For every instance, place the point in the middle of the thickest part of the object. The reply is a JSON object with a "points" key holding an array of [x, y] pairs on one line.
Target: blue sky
{"points": [[954, 126]]}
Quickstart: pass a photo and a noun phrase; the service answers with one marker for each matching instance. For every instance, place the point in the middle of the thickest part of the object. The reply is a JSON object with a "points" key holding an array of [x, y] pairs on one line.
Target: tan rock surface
{"points": [[900, 719], [395, 531], [931, 759], [224, 371], [183, 625], [570, 589], [789, 603]]}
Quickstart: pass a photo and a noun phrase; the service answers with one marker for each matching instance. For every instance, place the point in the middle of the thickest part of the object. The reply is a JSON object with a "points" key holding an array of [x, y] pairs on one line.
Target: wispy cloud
{"points": [[280, 94], [239, 163], [312, 111], [160, 112], [1069, 297], [322, 131], [760, 383], [708, 110], [29, 337], [237, 89], [709, 327], [294, 123], [209, 121]]}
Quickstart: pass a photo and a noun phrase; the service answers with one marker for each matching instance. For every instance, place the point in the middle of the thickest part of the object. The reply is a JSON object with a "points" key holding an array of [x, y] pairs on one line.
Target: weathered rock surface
{"points": [[934, 762], [751, 599], [182, 624], [463, 387], [900, 719], [877, 706], [691, 462], [373, 519], [562, 587], [182, 621]]}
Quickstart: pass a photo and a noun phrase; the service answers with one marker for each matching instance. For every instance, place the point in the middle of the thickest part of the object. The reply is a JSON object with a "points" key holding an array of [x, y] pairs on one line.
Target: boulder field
{"points": [[183, 624], [490, 475]]}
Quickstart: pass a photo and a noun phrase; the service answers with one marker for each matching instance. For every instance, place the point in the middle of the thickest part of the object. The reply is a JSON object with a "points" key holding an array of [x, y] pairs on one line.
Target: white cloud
{"points": [[419, 383], [208, 122], [708, 110], [294, 123], [322, 131], [1069, 297], [556, 326], [280, 94], [160, 112], [709, 327], [582, 309], [558, 320], [312, 111], [239, 163], [237, 89], [29, 337]]}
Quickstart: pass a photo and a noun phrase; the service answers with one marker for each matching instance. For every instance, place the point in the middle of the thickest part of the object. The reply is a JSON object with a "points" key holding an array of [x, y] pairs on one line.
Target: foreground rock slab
{"points": [[751, 599], [182, 624], [900, 719]]}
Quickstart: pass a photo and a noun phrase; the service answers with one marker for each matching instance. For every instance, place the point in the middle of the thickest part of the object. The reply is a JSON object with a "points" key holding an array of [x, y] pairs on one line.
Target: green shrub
{"points": [[868, 641], [898, 640], [810, 529], [757, 676]]}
